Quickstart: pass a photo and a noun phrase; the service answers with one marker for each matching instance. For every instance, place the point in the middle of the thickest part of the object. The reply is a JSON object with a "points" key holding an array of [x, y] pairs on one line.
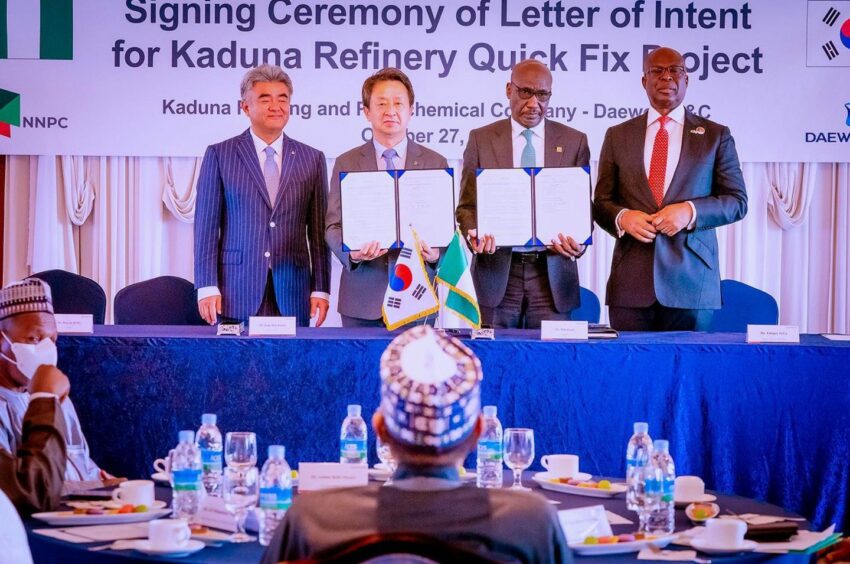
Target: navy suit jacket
{"points": [[680, 271], [240, 234], [362, 285], [492, 147]]}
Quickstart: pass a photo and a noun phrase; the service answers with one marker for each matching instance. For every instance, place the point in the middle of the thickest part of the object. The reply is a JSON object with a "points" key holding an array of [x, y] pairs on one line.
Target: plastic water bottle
{"points": [[209, 441], [660, 476], [489, 468], [352, 438], [186, 486], [275, 492], [637, 456]]}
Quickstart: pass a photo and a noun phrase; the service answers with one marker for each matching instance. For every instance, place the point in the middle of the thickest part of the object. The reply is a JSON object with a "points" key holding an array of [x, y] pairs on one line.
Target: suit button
{"points": [[272, 224], [267, 254]]}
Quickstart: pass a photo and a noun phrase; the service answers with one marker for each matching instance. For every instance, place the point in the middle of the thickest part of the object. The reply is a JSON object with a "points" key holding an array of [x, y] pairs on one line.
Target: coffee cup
{"points": [[167, 534], [561, 465], [689, 488], [134, 492], [163, 464], [724, 532]]}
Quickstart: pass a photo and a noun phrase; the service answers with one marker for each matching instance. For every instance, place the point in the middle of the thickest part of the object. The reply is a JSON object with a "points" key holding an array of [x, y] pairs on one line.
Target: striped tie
{"points": [[658, 162], [388, 157], [271, 174], [529, 155]]}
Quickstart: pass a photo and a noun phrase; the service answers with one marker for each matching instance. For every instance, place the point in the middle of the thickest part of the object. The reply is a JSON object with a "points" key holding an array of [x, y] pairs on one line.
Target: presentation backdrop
{"points": [[157, 78]]}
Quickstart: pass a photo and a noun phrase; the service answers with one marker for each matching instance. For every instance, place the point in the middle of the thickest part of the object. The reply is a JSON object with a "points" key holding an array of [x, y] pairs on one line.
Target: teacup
{"points": [[163, 464], [561, 465], [134, 492], [689, 488], [724, 532], [168, 534]]}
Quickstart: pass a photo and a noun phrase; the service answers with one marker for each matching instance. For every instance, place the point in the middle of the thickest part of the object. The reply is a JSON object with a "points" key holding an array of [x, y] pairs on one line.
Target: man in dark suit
{"points": [[259, 221], [666, 180], [388, 105], [519, 287]]}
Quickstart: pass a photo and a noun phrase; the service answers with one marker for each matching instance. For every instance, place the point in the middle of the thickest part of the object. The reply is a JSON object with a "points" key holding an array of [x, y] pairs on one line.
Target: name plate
{"points": [[277, 326], [235, 329], [214, 514], [74, 323], [563, 330], [773, 334], [314, 476], [486, 333]]}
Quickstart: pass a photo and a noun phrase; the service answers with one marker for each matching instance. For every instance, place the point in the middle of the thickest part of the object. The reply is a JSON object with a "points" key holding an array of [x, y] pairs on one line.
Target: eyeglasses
{"points": [[526, 93], [676, 71]]}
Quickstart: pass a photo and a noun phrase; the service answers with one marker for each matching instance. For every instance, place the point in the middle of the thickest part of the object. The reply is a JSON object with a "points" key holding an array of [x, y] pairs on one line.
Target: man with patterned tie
{"points": [[666, 180], [519, 286], [259, 220], [388, 106]]}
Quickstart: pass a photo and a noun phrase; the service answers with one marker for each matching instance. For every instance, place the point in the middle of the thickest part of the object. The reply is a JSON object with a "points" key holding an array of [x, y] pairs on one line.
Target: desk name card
{"points": [[773, 334], [563, 330], [79, 323], [275, 326], [314, 476]]}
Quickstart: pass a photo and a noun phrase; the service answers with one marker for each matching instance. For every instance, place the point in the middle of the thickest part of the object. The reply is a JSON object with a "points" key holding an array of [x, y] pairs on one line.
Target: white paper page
{"points": [[563, 204], [832, 337], [368, 209], [504, 205], [583, 522], [426, 201]]}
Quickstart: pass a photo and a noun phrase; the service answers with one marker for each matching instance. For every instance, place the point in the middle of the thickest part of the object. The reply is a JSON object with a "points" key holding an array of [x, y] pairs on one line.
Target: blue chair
{"points": [[73, 293], [164, 300], [743, 305], [589, 309]]}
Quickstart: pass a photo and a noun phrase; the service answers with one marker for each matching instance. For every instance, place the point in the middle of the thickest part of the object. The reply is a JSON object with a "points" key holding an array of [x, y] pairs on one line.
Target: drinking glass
{"points": [[386, 456], [518, 453], [240, 449], [240, 491]]}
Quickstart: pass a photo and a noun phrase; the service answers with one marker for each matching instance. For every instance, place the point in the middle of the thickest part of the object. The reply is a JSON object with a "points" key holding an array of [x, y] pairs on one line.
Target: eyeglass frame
{"points": [[672, 70], [541, 95]]}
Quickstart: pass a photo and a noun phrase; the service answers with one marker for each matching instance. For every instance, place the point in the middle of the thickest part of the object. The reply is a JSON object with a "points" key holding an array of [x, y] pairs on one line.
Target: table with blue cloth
{"points": [[48, 550], [770, 422]]}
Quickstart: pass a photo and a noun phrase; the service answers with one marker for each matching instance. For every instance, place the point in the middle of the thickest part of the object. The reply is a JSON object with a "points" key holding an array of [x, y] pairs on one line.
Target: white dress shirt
{"points": [[538, 141], [398, 160], [13, 536], [260, 150]]}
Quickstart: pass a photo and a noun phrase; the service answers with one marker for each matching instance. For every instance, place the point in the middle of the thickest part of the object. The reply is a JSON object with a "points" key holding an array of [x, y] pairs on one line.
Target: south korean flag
{"points": [[410, 295], [828, 33]]}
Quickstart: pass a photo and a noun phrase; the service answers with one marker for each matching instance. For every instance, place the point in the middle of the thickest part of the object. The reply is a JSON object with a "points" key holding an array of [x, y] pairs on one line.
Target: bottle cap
{"points": [[641, 427], [186, 436], [277, 451], [354, 410], [661, 445], [208, 419], [489, 411]]}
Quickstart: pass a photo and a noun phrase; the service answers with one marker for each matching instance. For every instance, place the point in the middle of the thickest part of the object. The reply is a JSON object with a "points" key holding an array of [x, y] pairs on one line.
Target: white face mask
{"points": [[30, 357]]}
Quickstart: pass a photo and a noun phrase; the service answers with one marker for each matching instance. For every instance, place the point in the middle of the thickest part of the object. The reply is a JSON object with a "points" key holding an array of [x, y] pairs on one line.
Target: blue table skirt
{"points": [[771, 422]]}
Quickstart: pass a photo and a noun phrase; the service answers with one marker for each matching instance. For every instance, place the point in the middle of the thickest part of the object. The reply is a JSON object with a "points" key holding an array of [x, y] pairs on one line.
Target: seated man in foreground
{"points": [[430, 417]]}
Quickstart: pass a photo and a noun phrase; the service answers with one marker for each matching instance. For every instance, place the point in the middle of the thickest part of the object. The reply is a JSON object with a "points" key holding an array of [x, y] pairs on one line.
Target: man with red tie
{"points": [[666, 180]]}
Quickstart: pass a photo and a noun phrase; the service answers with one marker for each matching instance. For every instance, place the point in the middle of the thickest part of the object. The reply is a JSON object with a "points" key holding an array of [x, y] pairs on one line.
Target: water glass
{"points": [[240, 449], [240, 491], [518, 453], [386, 456]]}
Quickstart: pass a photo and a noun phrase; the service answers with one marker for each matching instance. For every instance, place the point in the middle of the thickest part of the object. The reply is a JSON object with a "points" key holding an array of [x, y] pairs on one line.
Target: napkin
{"points": [[667, 555]]}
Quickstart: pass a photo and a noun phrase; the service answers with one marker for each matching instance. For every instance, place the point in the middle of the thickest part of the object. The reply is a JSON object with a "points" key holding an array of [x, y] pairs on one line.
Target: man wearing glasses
{"points": [[666, 180], [520, 286]]}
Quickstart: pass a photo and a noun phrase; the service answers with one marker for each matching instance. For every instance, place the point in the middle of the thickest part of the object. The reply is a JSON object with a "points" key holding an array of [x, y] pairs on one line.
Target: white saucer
{"points": [[708, 548], [161, 477], [706, 498], [192, 546]]}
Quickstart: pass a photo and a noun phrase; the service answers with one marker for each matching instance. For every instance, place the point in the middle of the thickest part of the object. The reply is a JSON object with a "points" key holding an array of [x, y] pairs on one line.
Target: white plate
{"points": [[542, 478], [707, 548], [212, 537], [110, 504], [161, 477], [619, 547], [62, 518], [192, 546], [706, 498]]}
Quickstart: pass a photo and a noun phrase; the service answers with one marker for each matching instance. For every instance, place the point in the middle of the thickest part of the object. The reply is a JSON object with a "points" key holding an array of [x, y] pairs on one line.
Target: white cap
{"points": [[186, 436], [489, 411], [641, 427], [208, 419], [277, 451], [661, 445], [354, 410]]}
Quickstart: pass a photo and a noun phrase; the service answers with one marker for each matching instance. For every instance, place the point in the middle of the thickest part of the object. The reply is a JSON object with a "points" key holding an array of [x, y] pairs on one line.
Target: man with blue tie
{"points": [[259, 220], [667, 179], [519, 286], [388, 105]]}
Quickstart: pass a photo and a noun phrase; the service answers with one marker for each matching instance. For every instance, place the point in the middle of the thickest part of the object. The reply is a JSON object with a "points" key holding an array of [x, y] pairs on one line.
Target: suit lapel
{"points": [[690, 142], [245, 148], [502, 145], [368, 157], [413, 159], [553, 141], [288, 158]]}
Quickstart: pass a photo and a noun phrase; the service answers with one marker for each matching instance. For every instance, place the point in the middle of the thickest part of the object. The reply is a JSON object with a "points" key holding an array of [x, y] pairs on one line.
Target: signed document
{"points": [[505, 205], [426, 200], [562, 200]]}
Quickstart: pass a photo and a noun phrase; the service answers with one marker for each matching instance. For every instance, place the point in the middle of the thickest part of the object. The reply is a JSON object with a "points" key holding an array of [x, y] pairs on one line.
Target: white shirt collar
{"points": [[677, 115], [400, 149], [518, 128], [260, 145]]}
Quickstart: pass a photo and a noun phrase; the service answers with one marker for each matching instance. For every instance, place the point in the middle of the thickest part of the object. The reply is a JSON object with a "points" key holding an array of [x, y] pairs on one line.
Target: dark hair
{"points": [[388, 73]]}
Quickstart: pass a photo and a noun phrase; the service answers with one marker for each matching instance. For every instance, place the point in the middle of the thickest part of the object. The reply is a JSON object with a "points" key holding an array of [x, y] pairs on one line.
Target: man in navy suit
{"points": [[259, 221], [666, 180]]}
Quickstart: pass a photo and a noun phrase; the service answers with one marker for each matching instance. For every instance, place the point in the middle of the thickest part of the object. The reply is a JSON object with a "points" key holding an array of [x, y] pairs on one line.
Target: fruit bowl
{"points": [[700, 512]]}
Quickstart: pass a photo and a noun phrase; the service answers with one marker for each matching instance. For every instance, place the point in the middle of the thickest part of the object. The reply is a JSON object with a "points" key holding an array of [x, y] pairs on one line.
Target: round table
{"points": [[47, 550]]}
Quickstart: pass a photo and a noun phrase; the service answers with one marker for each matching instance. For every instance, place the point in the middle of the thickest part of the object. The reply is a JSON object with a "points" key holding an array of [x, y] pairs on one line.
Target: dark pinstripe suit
{"points": [[236, 225]]}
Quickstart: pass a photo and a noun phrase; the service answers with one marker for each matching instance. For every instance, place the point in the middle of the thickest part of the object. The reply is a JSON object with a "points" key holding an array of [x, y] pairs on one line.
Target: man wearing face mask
{"points": [[28, 348]]}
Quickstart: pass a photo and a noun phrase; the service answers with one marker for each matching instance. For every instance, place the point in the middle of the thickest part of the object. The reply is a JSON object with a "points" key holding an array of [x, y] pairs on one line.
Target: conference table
{"points": [[765, 421]]}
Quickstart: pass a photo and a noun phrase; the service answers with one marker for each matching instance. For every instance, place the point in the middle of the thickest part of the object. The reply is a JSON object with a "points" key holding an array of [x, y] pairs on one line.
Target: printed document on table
{"points": [[504, 206], [426, 201], [562, 197], [368, 209]]}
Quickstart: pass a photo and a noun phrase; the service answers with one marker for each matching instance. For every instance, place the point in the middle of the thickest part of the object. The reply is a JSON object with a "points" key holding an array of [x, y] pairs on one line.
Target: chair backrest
{"points": [[73, 293], [165, 300], [589, 309], [397, 548], [742, 305]]}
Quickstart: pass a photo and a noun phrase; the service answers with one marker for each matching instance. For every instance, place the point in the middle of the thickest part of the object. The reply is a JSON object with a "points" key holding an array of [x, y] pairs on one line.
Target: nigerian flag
{"points": [[37, 29], [454, 273]]}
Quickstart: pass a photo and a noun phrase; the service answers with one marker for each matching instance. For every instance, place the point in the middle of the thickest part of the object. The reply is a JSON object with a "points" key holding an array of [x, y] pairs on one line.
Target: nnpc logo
{"points": [[831, 136], [10, 111], [37, 29]]}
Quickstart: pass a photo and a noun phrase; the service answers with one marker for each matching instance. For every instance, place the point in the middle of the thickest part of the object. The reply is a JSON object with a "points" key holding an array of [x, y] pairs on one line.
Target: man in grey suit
{"points": [[388, 105], [260, 213], [666, 180], [520, 287]]}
